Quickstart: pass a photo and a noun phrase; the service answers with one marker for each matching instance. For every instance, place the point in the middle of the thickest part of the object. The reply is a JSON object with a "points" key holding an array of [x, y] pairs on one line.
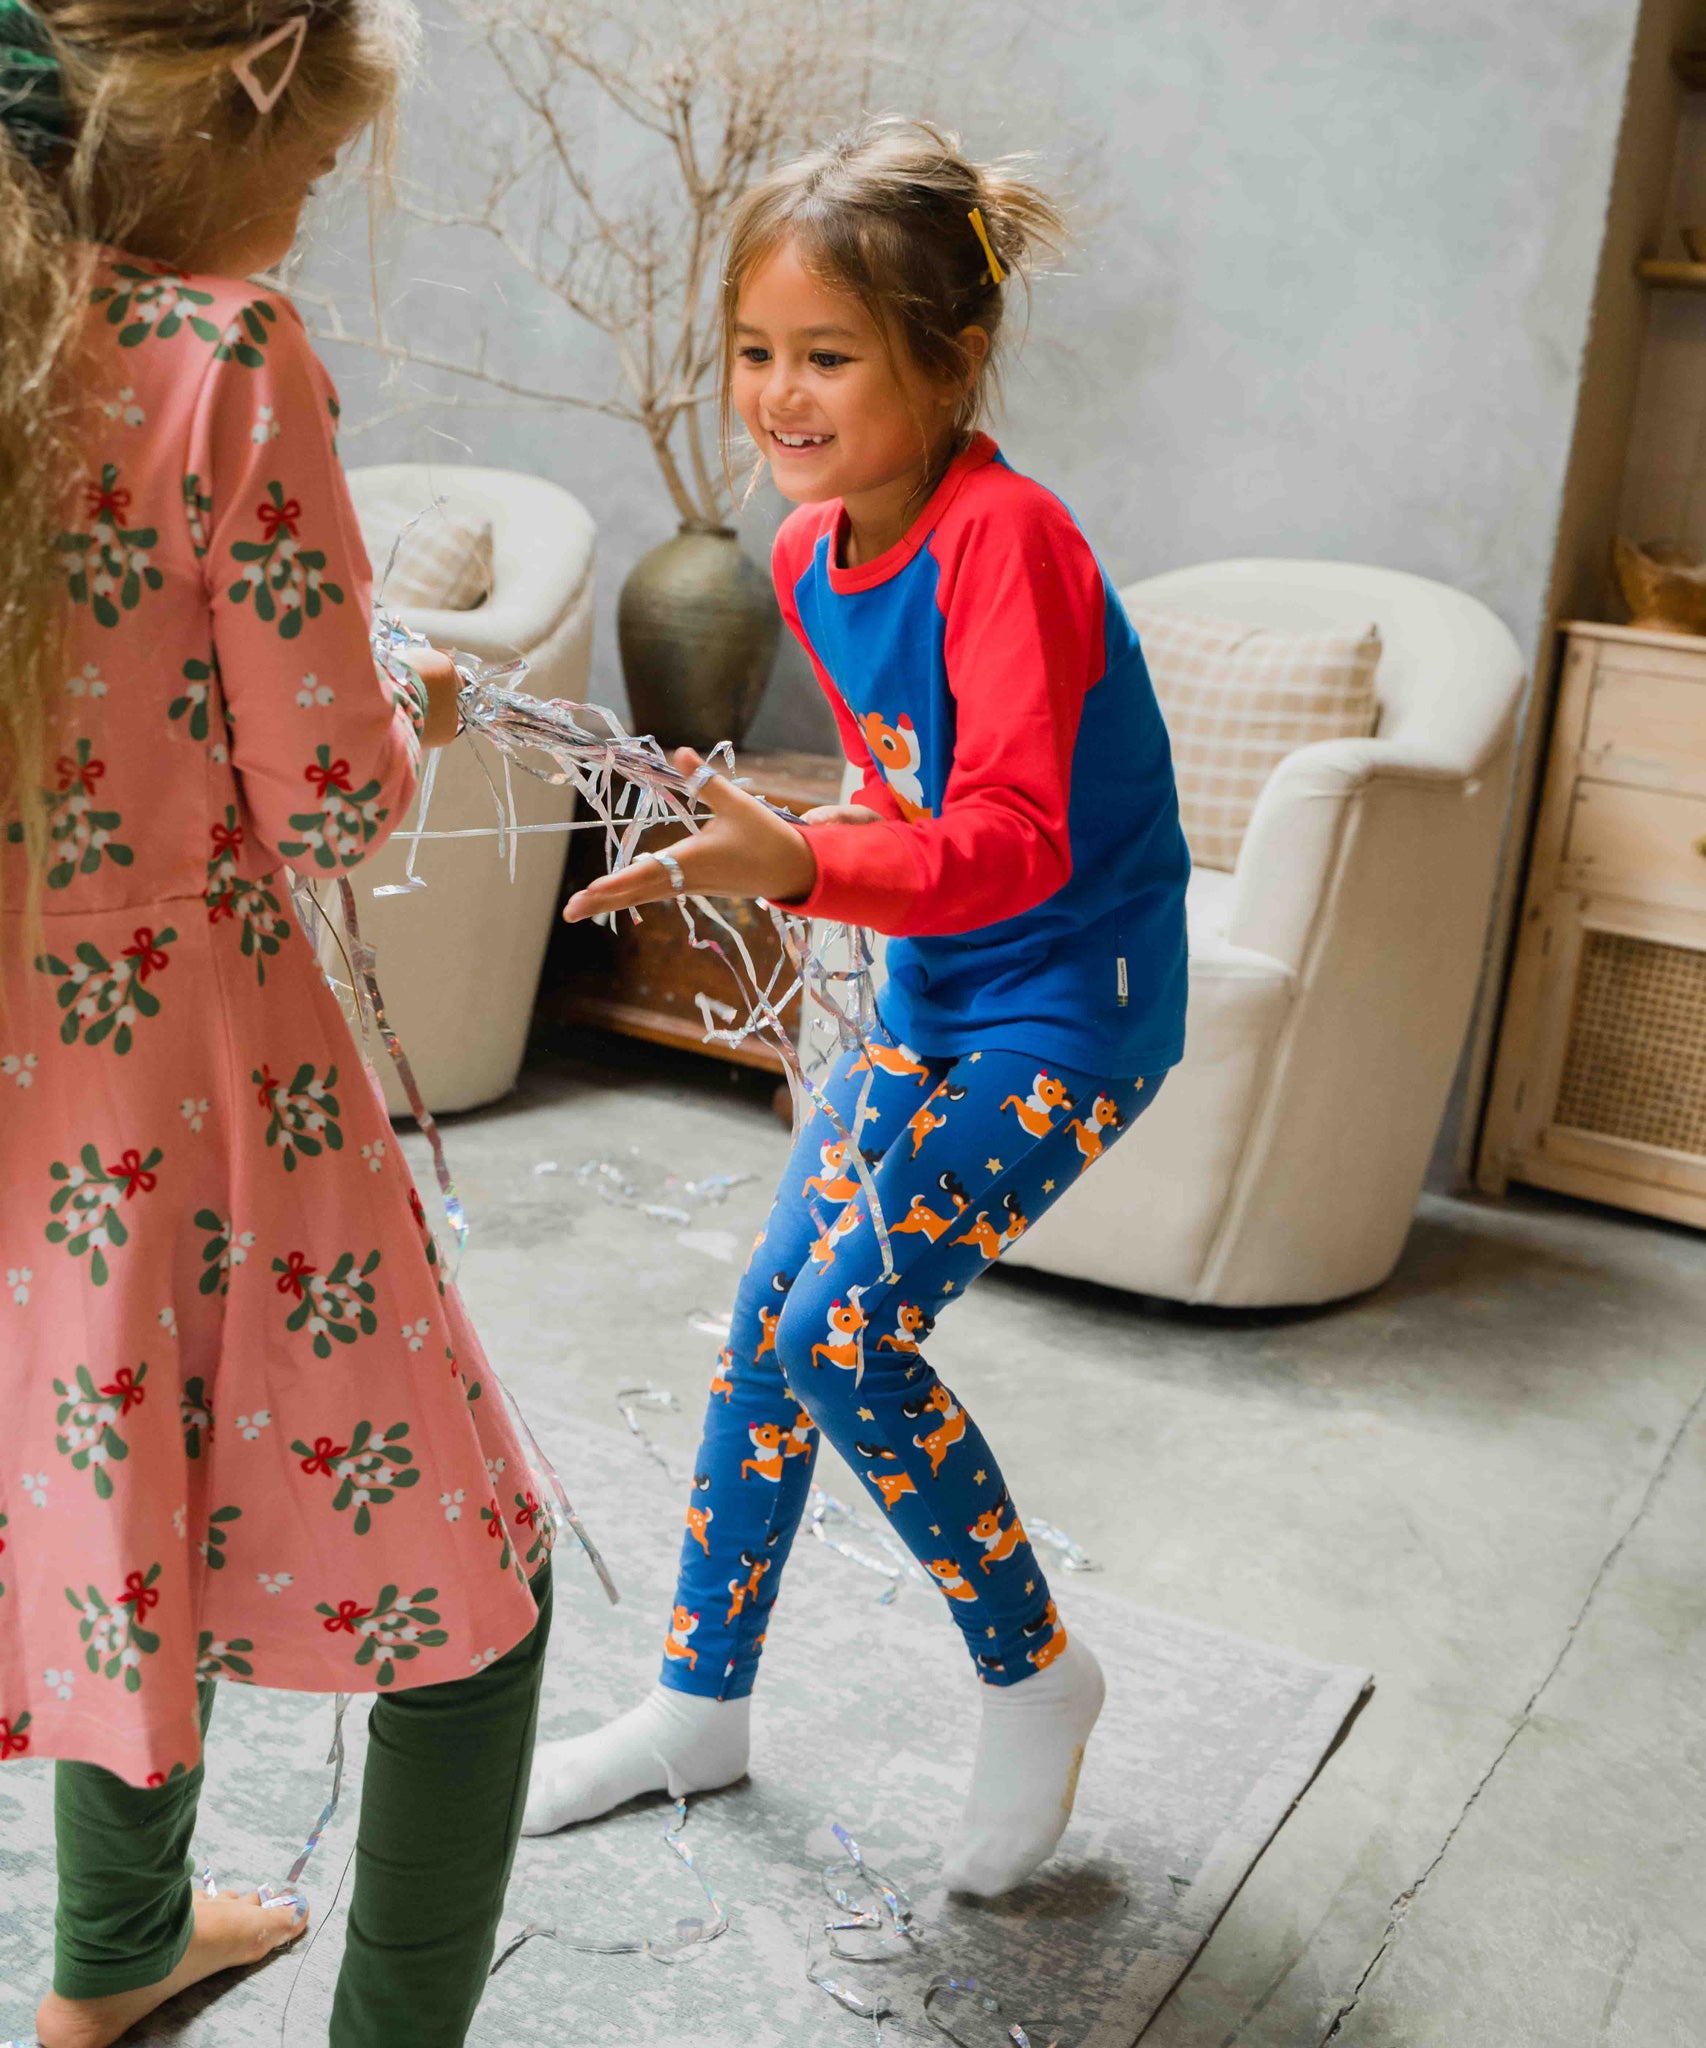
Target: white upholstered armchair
{"points": [[1332, 971]]}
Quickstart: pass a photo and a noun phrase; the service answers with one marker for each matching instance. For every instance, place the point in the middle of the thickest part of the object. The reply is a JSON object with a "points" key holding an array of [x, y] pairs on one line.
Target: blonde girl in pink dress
{"points": [[248, 1433]]}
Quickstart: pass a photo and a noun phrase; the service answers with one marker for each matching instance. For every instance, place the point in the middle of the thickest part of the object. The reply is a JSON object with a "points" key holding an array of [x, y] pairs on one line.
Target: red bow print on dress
{"points": [[324, 1452], [145, 953], [123, 1388], [227, 839], [138, 1595], [297, 1270], [348, 1614], [137, 1181], [13, 1740], [85, 774], [336, 776], [273, 517], [104, 501], [263, 1094]]}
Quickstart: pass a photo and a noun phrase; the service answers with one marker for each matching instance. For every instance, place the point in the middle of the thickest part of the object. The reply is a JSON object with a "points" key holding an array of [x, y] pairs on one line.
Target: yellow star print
{"points": [[947, 1287], [934, 1530], [976, 1056], [865, 1415], [1030, 1585], [989, 1631], [1048, 1187], [994, 1165], [979, 1476]]}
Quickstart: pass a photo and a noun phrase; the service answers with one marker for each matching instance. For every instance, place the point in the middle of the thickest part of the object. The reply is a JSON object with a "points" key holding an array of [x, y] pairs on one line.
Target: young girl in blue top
{"points": [[1016, 833]]}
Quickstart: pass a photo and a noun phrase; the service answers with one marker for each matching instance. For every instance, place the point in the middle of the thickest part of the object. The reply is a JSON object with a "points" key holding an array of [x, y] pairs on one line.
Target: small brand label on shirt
{"points": [[1120, 979]]}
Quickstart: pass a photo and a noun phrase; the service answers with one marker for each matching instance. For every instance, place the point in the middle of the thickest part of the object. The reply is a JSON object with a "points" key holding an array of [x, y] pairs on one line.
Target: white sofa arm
{"points": [[1290, 851]]}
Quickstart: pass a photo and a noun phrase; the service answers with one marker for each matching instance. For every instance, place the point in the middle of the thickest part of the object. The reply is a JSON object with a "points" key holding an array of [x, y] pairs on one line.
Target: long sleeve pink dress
{"points": [[245, 1428]]}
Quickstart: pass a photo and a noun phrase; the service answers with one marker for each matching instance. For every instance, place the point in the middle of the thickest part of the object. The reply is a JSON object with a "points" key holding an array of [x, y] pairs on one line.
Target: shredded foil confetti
{"points": [[691, 1932]]}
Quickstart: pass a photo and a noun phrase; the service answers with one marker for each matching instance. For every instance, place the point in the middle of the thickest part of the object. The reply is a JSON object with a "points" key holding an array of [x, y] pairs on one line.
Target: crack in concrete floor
{"points": [[1399, 1910]]}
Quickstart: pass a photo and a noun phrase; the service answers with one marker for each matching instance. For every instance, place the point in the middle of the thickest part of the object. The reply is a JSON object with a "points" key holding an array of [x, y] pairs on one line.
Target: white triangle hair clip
{"points": [[266, 97]]}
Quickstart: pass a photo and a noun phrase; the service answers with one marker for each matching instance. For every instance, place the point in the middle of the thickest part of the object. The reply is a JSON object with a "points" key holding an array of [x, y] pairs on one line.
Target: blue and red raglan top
{"points": [[1029, 865]]}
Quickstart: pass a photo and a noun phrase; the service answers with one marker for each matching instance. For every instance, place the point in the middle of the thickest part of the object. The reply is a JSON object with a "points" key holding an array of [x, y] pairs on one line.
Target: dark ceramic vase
{"points": [[698, 624]]}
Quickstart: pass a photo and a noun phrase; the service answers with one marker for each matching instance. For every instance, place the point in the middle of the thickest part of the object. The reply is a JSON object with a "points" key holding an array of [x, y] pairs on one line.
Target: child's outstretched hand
{"points": [[745, 850]]}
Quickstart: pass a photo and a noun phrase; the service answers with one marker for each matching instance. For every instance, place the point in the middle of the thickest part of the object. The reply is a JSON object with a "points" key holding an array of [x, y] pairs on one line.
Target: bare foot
{"points": [[230, 1930]]}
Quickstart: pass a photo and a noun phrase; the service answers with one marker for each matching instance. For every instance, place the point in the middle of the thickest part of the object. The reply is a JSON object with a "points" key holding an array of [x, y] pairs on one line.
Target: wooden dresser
{"points": [[1600, 1084]]}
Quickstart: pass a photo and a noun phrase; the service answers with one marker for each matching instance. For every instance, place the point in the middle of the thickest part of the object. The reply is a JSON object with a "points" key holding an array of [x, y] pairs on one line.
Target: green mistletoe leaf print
{"points": [[212, 1545], [286, 580], [247, 335], [225, 1250], [195, 1412], [4, 1524], [215, 1659], [116, 1638], [198, 514], [250, 905], [109, 565], [341, 830], [334, 1307], [153, 303], [191, 704], [89, 1421], [369, 1471], [393, 1631], [302, 1117], [496, 1528], [104, 998], [86, 1208], [80, 837]]}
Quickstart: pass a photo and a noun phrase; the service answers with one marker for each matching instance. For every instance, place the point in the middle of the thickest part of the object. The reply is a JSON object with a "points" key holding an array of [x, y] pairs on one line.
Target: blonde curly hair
{"points": [[123, 123]]}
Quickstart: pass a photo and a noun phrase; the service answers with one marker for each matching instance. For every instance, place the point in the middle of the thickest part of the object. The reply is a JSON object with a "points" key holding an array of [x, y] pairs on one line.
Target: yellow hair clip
{"points": [[996, 273]]}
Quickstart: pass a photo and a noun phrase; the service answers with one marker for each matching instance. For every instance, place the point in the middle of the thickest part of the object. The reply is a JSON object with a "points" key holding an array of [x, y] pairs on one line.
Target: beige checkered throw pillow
{"points": [[1237, 699], [444, 561]]}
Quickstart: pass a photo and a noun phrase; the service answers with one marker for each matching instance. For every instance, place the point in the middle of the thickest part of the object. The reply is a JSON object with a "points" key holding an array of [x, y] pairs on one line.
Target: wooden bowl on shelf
{"points": [[1663, 584]]}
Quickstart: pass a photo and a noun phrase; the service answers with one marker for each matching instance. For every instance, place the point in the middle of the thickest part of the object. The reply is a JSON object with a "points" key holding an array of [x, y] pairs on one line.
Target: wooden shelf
{"points": [[1671, 276]]}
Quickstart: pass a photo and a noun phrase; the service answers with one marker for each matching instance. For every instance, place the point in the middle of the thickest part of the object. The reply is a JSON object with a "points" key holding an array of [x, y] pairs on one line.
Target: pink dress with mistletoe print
{"points": [[247, 1431]]}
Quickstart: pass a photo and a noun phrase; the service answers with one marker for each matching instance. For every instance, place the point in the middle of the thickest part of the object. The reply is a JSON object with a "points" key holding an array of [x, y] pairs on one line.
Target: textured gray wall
{"points": [[1331, 300]]}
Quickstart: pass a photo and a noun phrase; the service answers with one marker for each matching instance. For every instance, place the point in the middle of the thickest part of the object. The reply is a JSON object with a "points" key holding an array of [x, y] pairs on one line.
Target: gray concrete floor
{"points": [[1486, 1482]]}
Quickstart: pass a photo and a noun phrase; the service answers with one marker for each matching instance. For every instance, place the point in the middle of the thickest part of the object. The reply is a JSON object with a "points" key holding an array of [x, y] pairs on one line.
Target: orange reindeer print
{"points": [[949, 1577], [948, 1432], [999, 1539], [834, 1183], [743, 1590], [720, 1381], [675, 1644], [823, 1247], [1104, 1116], [1017, 1221], [930, 1118], [985, 1236], [894, 1060], [751, 1255], [767, 1442], [798, 1443], [699, 1519], [915, 1326], [924, 1220], [846, 1320], [896, 751], [893, 1486], [1045, 1654], [768, 1318], [1036, 1112]]}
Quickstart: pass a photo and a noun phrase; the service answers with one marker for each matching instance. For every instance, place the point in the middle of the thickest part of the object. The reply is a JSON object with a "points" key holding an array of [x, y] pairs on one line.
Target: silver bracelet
{"points": [[671, 867]]}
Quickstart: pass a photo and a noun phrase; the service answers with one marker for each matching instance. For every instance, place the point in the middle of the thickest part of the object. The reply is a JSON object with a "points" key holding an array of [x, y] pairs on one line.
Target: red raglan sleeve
{"points": [[788, 561], [1023, 646]]}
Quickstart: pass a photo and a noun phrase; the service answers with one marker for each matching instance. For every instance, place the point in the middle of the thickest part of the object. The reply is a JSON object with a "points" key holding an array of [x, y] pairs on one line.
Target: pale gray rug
{"points": [[867, 1716]]}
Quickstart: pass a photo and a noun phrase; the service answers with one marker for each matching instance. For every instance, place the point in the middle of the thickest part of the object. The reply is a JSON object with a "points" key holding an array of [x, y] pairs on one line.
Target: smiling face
{"points": [[834, 408]]}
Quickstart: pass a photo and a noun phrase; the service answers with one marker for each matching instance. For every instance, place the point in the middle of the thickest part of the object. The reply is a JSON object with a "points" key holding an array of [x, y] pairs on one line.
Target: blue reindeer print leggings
{"points": [[965, 1154]]}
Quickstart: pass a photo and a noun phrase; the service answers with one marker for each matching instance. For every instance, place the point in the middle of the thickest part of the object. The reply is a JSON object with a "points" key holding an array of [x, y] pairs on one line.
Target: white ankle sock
{"points": [[1025, 1776], [672, 1742]]}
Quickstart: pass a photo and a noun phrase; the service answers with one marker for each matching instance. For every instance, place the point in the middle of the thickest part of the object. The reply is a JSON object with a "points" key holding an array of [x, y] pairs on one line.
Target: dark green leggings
{"points": [[441, 1805]]}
